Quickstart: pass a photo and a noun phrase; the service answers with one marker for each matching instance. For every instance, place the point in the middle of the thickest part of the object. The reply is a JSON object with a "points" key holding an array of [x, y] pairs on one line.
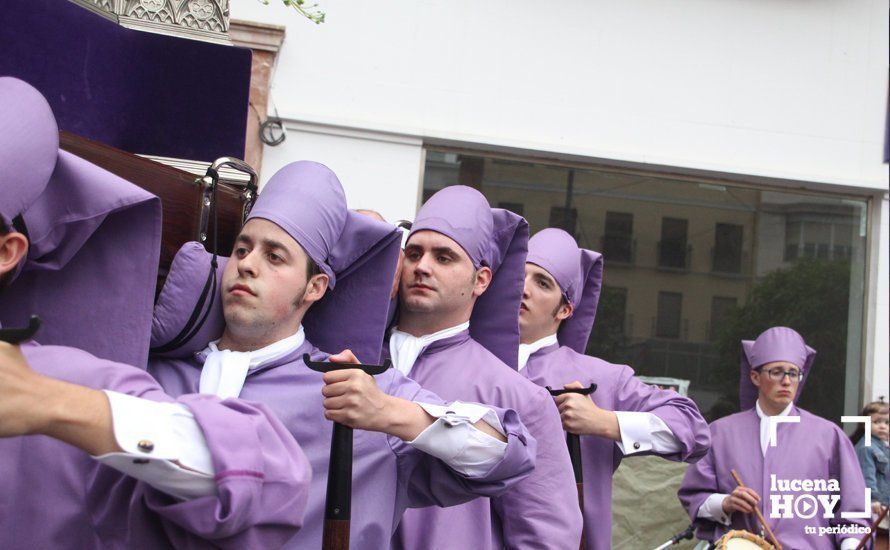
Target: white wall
{"points": [[781, 87], [378, 171]]}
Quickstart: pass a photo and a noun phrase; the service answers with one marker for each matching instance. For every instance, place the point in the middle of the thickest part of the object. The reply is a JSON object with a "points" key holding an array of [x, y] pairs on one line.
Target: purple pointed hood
{"points": [[579, 274], [492, 237], [358, 253], [94, 238], [29, 144], [774, 344]]}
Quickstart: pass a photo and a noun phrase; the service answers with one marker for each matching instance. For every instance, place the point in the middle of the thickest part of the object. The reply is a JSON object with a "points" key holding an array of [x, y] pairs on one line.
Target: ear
{"points": [[315, 288], [755, 378], [483, 279], [565, 311], [13, 248]]}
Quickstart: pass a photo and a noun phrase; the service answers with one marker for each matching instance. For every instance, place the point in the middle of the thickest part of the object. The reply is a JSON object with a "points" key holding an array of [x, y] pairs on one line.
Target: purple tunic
{"points": [[814, 449], [53, 495], [388, 474], [617, 390], [539, 512]]}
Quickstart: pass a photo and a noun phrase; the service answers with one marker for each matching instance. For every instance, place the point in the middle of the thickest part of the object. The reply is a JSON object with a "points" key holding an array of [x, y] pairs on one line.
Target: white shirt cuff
{"points": [[849, 544], [454, 440], [162, 446], [712, 509], [643, 431]]}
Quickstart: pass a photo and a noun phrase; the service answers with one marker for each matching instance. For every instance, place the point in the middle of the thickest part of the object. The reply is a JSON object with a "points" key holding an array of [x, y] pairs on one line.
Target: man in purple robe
{"points": [[457, 335], [201, 485], [306, 270], [623, 417], [798, 469]]}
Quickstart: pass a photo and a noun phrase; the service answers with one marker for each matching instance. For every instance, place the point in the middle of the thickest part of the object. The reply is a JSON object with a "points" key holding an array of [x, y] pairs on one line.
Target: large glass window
{"points": [[694, 266]]}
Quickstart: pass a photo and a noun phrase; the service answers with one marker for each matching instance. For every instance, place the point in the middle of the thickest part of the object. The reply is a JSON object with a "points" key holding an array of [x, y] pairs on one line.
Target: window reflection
{"points": [[692, 267]]}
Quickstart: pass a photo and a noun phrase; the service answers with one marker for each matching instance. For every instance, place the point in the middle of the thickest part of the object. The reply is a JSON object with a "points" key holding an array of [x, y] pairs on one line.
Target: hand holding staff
{"points": [[574, 442], [742, 499], [760, 517], [338, 500]]}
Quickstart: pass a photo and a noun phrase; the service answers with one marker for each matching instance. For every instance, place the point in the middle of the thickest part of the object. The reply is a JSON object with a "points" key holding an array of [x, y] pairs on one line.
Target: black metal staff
{"points": [[574, 443], [338, 500], [18, 335]]}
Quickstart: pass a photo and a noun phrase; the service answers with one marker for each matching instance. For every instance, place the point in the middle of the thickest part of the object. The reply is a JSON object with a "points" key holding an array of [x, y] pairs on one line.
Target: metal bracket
{"points": [[209, 183]]}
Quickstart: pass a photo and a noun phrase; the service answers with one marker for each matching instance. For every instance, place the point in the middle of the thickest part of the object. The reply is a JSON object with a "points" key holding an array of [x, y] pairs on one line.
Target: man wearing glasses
{"points": [[798, 469]]}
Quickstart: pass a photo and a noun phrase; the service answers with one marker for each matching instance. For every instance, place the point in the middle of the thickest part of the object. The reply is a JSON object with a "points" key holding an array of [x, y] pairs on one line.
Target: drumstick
{"points": [[769, 531], [874, 526]]}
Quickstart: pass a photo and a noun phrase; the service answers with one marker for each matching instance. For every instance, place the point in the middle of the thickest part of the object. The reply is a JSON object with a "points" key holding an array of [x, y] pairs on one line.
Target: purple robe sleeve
{"points": [[262, 480], [542, 511], [430, 482], [699, 482], [679, 413], [262, 475]]}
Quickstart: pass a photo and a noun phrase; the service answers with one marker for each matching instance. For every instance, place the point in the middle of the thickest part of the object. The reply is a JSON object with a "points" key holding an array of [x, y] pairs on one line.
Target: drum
{"points": [[742, 540]]}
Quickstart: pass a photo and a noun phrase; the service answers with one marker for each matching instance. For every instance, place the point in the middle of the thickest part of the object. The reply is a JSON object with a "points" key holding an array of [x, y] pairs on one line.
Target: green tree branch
{"points": [[309, 11]]}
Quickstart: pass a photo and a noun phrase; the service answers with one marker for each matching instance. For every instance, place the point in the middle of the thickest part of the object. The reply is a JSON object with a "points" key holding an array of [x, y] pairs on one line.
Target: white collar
{"points": [[763, 415], [526, 350], [765, 423], [224, 371], [404, 349]]}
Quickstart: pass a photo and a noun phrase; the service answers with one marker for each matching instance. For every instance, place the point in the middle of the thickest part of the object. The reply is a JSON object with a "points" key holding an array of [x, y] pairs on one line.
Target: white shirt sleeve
{"points": [[712, 509], [162, 446], [850, 544], [454, 439], [644, 431]]}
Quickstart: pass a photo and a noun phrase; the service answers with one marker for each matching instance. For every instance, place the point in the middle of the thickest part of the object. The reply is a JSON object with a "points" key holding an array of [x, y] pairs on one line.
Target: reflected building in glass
{"points": [[692, 266]]}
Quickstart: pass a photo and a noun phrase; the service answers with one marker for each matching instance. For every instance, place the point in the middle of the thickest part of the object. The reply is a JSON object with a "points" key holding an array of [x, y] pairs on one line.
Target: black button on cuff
{"points": [[637, 445]]}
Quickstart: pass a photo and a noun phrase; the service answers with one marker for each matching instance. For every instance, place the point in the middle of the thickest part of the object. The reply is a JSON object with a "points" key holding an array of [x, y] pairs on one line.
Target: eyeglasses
{"points": [[779, 374]]}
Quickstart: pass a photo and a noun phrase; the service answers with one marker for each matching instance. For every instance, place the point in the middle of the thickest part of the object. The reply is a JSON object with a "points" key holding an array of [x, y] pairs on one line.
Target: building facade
{"points": [[726, 157]]}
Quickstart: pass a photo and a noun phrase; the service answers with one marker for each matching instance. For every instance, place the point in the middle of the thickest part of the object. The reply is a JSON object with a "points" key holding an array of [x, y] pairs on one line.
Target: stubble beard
{"points": [[242, 320], [252, 326], [417, 306]]}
